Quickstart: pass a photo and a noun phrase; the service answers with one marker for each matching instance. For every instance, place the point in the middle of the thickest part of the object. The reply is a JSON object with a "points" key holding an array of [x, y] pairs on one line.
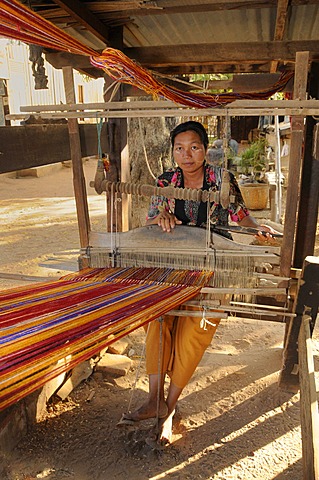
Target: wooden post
{"points": [[306, 302], [117, 213], [309, 190], [77, 167], [309, 417], [125, 177], [295, 164]]}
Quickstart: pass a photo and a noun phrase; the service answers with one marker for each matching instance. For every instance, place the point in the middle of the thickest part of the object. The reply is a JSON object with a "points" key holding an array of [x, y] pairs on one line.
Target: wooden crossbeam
{"points": [[169, 109]]}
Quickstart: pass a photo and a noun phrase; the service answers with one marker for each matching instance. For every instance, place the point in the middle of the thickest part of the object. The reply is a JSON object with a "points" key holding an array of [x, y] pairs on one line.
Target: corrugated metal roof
{"points": [[174, 23], [247, 25]]}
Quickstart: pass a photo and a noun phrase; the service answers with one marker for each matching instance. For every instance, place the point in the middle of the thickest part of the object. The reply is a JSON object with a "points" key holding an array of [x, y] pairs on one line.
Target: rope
{"points": [[144, 149], [137, 375]]}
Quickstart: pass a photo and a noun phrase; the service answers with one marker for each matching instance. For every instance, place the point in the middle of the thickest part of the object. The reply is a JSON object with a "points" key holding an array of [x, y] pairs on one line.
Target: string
{"points": [[99, 126], [144, 149], [159, 371], [137, 375]]}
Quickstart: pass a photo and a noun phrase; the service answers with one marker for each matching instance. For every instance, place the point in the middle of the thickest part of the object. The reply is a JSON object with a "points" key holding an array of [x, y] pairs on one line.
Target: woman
{"points": [[183, 342]]}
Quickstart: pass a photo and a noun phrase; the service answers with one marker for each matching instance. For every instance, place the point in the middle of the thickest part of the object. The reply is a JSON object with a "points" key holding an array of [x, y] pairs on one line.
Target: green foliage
{"points": [[253, 159]]}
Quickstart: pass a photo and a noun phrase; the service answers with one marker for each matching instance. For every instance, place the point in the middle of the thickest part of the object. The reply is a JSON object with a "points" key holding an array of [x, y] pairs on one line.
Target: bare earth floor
{"points": [[233, 422]]}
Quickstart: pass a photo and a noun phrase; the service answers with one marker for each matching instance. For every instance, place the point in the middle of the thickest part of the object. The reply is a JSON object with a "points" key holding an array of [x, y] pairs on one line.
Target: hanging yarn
{"points": [[19, 22]]}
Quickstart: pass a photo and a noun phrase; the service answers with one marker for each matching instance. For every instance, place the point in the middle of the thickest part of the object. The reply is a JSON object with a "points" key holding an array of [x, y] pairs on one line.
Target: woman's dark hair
{"points": [[193, 126]]}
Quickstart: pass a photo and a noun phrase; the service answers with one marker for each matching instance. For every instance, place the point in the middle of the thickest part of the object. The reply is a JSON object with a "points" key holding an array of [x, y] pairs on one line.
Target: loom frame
{"points": [[298, 114]]}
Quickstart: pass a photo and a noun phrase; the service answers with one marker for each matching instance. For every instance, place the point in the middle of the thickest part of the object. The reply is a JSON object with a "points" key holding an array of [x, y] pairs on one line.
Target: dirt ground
{"points": [[233, 422]]}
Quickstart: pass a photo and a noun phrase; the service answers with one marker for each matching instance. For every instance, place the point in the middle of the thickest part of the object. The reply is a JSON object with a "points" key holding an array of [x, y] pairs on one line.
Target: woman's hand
{"points": [[265, 235], [167, 221]]}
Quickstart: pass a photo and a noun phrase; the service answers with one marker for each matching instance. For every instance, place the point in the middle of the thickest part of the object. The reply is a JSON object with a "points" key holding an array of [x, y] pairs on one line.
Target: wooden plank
{"points": [[100, 105], [167, 7], [222, 53], [245, 291], [77, 167], [28, 146], [295, 163], [199, 313], [162, 104], [27, 278], [307, 300], [308, 404], [81, 62], [178, 112]]}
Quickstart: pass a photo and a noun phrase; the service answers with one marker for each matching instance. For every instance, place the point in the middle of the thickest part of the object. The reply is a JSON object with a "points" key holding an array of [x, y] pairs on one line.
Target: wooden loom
{"points": [[246, 271], [97, 246], [133, 278]]}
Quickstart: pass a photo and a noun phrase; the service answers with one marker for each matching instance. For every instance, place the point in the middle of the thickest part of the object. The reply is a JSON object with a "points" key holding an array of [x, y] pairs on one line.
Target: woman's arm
{"points": [[250, 221]]}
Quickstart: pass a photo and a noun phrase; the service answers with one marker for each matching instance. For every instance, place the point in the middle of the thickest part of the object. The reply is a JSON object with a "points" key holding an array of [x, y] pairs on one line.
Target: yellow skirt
{"points": [[180, 347]]}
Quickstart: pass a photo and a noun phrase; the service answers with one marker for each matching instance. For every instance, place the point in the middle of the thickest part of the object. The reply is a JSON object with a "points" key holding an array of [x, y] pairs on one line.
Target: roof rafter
{"points": [[282, 11], [85, 17]]}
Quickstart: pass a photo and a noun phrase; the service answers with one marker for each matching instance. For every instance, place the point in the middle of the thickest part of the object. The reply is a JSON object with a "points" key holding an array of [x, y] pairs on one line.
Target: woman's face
{"points": [[189, 151]]}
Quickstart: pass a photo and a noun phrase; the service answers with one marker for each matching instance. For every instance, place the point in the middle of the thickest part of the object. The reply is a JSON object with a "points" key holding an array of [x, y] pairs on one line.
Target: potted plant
{"points": [[253, 183]]}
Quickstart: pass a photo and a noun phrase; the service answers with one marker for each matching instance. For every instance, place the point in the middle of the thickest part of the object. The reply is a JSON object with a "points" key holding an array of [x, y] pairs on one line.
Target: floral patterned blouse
{"points": [[192, 212]]}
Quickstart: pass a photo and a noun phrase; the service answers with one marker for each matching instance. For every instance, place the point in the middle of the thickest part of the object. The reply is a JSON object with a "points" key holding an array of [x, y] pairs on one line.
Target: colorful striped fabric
{"points": [[19, 22], [48, 329]]}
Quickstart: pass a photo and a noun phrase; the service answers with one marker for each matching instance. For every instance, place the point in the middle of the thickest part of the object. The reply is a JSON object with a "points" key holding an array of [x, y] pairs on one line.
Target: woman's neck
{"points": [[194, 179]]}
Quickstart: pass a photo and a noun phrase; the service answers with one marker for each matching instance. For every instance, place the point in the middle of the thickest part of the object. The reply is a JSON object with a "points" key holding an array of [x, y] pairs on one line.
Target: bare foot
{"points": [[161, 435], [146, 411]]}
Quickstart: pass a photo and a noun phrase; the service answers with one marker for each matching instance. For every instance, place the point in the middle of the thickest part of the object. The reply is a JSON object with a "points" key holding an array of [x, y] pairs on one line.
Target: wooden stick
{"points": [[162, 104], [199, 313], [27, 278], [245, 291]]}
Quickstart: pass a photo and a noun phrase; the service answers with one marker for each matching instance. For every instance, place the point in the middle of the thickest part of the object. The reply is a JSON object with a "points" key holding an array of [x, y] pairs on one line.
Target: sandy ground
{"points": [[233, 422]]}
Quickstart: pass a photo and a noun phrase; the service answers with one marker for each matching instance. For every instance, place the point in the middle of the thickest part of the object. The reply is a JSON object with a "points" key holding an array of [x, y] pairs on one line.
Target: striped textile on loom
{"points": [[47, 330], [199, 278]]}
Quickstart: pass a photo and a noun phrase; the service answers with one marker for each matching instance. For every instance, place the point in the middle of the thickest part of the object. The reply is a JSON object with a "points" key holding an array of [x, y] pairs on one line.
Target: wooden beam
{"points": [[232, 67], [166, 104], [178, 112], [28, 146], [241, 83], [85, 17], [309, 189], [309, 417], [77, 167], [82, 64], [281, 16], [222, 53], [295, 164], [122, 9], [306, 302]]}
